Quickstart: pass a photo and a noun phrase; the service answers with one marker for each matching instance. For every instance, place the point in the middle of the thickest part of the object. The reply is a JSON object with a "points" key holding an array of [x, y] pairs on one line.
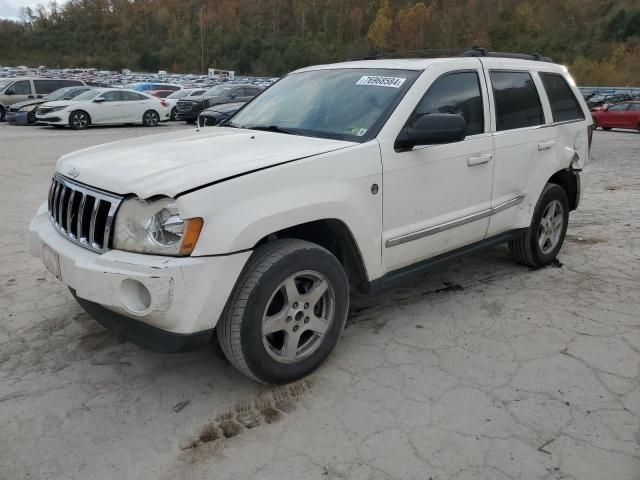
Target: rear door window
{"points": [[564, 105], [132, 96], [45, 87], [517, 100]]}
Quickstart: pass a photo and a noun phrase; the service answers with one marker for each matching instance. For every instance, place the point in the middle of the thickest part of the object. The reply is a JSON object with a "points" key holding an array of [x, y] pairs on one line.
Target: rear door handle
{"points": [[479, 159], [546, 145]]}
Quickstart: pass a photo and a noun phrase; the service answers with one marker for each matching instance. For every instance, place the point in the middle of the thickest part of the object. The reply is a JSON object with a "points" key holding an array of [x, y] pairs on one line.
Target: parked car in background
{"points": [[24, 113], [186, 93], [144, 86], [596, 102], [27, 88], [621, 115], [105, 106], [161, 93], [212, 116], [188, 110]]}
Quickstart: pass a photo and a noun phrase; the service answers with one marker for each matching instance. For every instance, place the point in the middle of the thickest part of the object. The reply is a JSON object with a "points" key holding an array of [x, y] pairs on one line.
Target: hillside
{"points": [[598, 39]]}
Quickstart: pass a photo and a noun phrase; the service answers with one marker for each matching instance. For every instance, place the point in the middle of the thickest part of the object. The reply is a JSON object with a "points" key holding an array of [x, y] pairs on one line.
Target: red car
{"points": [[161, 93], [620, 115]]}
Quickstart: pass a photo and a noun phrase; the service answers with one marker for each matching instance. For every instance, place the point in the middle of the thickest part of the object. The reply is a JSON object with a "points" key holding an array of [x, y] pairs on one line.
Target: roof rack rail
{"points": [[454, 52], [483, 52]]}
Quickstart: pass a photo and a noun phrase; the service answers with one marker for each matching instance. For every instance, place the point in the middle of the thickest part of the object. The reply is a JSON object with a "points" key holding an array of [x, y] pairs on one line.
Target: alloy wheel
{"points": [[297, 317], [551, 224]]}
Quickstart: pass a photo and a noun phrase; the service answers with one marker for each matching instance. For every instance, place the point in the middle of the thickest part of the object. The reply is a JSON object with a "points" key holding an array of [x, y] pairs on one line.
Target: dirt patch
{"points": [[613, 188], [585, 240], [267, 408]]}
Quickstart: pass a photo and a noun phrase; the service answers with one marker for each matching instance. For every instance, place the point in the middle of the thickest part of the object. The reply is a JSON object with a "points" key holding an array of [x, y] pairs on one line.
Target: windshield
{"points": [[58, 94], [345, 104], [179, 94], [217, 91], [90, 95], [5, 83]]}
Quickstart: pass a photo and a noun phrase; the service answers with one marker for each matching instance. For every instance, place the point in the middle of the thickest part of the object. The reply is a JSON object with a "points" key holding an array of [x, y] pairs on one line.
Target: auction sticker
{"points": [[377, 81]]}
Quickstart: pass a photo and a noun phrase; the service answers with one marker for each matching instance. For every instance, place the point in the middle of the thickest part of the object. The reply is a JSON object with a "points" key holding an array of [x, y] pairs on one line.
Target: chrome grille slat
{"points": [[92, 224], [70, 215], [80, 217], [63, 191], [72, 196], [56, 199]]}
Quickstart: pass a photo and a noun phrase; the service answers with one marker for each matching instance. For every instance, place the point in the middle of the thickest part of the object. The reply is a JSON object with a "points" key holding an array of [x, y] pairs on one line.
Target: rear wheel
{"points": [[286, 312], [606, 128], [79, 120], [543, 239], [2, 113], [150, 118], [172, 116]]}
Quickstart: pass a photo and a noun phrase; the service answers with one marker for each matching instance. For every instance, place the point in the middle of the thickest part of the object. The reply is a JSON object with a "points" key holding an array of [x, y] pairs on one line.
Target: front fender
{"points": [[239, 212]]}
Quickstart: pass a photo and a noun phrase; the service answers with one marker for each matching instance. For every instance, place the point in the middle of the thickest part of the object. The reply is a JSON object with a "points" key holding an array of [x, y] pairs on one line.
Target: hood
{"points": [[57, 103], [19, 105], [169, 164]]}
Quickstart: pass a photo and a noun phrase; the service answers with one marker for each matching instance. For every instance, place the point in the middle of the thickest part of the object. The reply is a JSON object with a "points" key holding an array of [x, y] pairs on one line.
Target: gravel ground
{"points": [[480, 370]]}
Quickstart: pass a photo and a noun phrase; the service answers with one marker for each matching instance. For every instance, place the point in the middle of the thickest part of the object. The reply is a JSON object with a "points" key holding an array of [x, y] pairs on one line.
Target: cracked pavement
{"points": [[481, 369]]}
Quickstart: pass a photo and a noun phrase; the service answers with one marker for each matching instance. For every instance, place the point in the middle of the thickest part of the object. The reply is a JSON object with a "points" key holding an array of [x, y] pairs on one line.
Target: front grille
{"points": [[82, 214], [185, 106]]}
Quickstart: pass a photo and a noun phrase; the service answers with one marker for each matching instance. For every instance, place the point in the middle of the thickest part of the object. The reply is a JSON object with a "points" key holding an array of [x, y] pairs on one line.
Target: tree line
{"points": [[598, 39]]}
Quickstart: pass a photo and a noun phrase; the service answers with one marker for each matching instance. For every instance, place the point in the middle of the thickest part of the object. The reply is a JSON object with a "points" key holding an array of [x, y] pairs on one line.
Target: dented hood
{"points": [[172, 163]]}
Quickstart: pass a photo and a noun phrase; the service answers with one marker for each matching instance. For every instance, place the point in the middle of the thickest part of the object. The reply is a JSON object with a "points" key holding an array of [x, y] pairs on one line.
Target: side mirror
{"points": [[430, 129], [99, 100]]}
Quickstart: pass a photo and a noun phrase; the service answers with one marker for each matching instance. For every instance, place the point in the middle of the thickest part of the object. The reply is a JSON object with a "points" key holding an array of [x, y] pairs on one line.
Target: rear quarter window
{"points": [[517, 100], [564, 105]]}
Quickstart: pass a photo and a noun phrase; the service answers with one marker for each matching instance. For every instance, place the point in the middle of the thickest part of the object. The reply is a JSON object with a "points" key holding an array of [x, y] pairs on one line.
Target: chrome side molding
{"points": [[458, 222]]}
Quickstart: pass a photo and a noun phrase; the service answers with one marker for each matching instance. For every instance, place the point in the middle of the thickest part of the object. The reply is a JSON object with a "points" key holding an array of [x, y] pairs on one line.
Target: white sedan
{"points": [[105, 106]]}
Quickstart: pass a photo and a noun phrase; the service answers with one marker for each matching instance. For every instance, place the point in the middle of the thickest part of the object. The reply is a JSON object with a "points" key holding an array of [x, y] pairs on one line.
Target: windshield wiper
{"points": [[277, 129]]}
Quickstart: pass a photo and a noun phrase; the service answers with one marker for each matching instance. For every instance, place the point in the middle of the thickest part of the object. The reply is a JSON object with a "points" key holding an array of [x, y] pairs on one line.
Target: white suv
{"points": [[352, 175]]}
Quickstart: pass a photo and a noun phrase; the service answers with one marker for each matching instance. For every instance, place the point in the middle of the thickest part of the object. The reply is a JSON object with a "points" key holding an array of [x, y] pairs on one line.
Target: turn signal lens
{"points": [[191, 234]]}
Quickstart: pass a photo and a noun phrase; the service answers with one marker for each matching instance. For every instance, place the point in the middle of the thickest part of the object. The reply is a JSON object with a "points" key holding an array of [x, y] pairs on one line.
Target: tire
{"points": [[542, 241], [265, 290], [606, 128], [58, 126], [79, 120], [2, 114], [172, 115], [150, 118], [31, 118], [191, 121]]}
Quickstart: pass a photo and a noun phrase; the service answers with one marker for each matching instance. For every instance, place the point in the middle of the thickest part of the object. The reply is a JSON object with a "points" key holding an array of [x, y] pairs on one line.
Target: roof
{"points": [[419, 64]]}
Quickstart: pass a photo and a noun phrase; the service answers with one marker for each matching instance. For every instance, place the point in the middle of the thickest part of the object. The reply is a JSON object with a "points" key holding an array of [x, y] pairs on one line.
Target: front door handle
{"points": [[546, 145], [479, 159]]}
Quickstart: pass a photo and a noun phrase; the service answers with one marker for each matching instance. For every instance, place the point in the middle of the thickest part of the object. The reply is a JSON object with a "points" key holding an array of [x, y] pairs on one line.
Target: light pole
{"points": [[201, 41]]}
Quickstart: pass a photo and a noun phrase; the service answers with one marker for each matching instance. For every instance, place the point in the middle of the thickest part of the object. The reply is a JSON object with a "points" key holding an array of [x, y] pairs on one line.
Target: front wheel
{"points": [[286, 312], [150, 118], [79, 120], [542, 241]]}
